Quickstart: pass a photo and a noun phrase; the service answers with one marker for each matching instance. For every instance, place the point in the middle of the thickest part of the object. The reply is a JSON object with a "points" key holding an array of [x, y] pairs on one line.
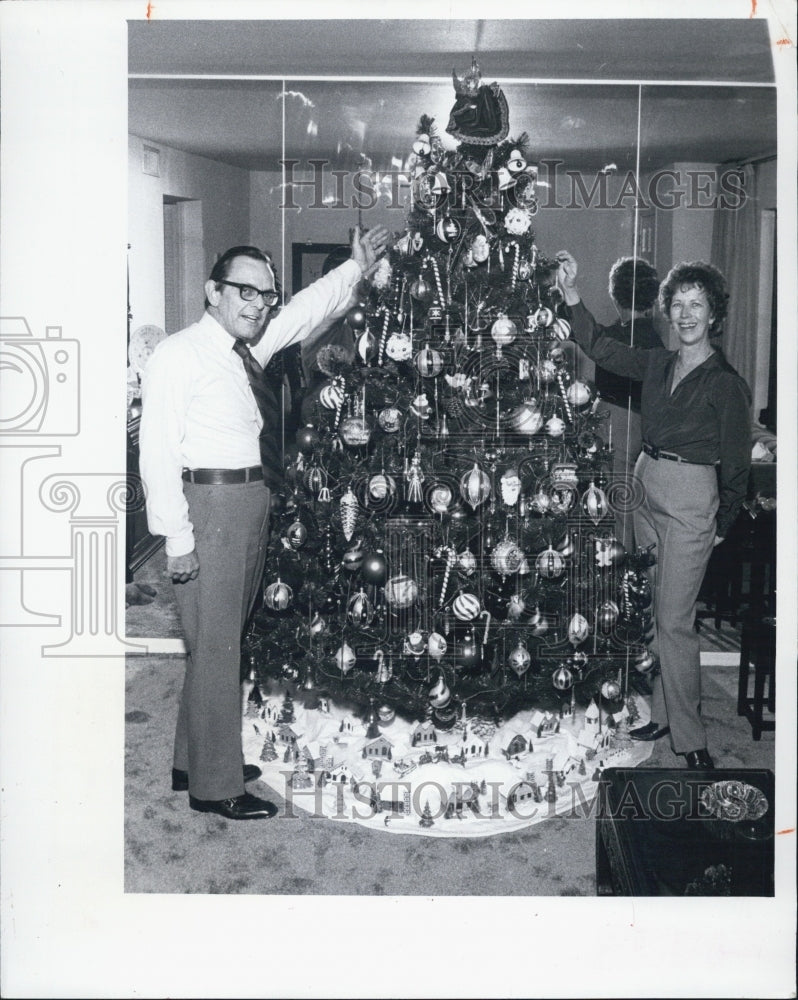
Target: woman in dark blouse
{"points": [[696, 426]]}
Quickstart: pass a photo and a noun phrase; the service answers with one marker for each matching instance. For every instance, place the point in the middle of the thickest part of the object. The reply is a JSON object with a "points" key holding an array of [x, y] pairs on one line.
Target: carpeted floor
{"points": [[171, 849]]}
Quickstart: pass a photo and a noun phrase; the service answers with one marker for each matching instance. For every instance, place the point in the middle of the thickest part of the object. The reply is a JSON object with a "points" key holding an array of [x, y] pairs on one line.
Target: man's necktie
{"points": [[266, 398]]}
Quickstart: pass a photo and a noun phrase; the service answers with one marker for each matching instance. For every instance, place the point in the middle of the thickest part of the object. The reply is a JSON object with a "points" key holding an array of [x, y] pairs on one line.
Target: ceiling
{"points": [[250, 93]]}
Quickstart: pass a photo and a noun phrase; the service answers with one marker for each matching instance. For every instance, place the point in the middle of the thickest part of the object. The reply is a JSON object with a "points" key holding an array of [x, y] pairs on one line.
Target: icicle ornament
{"points": [[349, 508]]}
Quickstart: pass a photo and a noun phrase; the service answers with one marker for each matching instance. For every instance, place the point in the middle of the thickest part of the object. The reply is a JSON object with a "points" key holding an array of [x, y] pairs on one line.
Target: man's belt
{"points": [[658, 453], [223, 477]]}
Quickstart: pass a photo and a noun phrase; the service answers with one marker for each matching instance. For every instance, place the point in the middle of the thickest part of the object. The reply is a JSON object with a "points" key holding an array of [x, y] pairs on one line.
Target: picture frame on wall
{"points": [[307, 261]]}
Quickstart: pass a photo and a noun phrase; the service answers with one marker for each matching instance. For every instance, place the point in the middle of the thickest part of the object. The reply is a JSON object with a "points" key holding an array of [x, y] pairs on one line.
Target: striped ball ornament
{"points": [[466, 607]]}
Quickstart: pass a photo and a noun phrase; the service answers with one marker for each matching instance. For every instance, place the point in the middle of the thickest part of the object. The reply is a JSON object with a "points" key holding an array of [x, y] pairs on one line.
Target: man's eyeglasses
{"points": [[249, 293]]}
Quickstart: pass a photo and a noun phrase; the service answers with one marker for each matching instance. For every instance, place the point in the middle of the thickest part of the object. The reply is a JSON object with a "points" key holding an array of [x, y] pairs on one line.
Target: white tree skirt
{"points": [[410, 777]]}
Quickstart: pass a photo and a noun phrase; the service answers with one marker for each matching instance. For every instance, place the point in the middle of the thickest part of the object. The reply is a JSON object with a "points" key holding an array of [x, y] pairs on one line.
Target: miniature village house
{"points": [[424, 734], [379, 747], [517, 745], [544, 724]]}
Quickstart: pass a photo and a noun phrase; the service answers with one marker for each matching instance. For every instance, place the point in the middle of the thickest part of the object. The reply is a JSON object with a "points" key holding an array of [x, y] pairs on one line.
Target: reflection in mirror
{"points": [[708, 178]]}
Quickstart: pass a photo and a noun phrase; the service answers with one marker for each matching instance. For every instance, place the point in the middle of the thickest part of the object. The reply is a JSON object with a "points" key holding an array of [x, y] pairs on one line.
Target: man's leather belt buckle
{"points": [[223, 477], [656, 454]]}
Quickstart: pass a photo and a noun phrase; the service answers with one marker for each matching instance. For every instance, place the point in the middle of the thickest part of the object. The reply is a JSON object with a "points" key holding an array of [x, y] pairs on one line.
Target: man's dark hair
{"points": [[222, 267], [634, 283], [704, 276]]}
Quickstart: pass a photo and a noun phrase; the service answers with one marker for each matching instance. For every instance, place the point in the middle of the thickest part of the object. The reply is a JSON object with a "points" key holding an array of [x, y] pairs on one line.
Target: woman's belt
{"points": [[222, 477]]}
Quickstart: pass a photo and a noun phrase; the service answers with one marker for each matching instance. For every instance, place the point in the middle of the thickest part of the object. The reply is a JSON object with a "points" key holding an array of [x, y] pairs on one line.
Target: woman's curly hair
{"points": [[702, 275], [633, 280]]}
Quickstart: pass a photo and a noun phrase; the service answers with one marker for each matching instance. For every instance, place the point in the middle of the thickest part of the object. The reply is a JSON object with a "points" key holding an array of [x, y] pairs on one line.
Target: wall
{"points": [[223, 192], [596, 234]]}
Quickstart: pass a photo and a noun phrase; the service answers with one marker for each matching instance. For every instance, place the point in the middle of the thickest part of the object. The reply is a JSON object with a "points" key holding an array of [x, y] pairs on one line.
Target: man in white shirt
{"points": [[209, 461]]}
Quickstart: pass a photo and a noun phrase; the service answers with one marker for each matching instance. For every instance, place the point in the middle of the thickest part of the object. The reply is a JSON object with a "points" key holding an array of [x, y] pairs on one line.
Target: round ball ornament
{"points": [[401, 591], [466, 607], [544, 317], [359, 610], [578, 394], [527, 418], [611, 690], [555, 426], [504, 331], [429, 362], [562, 678], [519, 659], [607, 615], [448, 229], [355, 432], [422, 290], [315, 478], [399, 347], [507, 557], [381, 486], [356, 317], [297, 534], [550, 563], [475, 486], [436, 645], [278, 596], [561, 328], [345, 658], [331, 396], [563, 498], [307, 438], [375, 568], [390, 419], [386, 715]]}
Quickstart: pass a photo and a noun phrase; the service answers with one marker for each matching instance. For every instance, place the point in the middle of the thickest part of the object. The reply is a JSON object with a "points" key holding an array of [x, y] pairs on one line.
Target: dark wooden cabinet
{"points": [[741, 575]]}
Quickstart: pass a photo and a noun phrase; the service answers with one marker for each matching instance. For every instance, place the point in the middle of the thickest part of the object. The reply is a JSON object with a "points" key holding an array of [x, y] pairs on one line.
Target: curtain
{"points": [[735, 251]]}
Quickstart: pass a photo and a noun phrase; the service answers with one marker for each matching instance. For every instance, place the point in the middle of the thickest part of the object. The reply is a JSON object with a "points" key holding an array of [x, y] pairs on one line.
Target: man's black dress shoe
{"points": [[651, 731], [244, 806], [180, 778], [699, 760]]}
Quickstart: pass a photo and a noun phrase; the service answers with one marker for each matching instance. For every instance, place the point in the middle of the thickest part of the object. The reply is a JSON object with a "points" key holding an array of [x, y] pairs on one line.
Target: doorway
{"points": [[184, 258]]}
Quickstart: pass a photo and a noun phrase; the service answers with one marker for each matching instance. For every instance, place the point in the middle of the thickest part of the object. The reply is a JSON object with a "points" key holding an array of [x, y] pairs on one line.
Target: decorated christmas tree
{"points": [[447, 534]]}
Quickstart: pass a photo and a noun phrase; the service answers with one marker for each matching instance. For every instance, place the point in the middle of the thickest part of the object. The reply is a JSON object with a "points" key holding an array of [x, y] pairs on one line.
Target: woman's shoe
{"points": [[648, 733]]}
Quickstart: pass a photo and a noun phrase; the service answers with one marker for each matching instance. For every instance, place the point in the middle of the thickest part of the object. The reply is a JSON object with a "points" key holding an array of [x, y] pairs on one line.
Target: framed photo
{"points": [[307, 261]]}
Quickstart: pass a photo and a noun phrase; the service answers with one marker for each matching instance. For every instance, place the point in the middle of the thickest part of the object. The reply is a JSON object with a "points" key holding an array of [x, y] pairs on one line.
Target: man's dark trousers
{"points": [[231, 530]]}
